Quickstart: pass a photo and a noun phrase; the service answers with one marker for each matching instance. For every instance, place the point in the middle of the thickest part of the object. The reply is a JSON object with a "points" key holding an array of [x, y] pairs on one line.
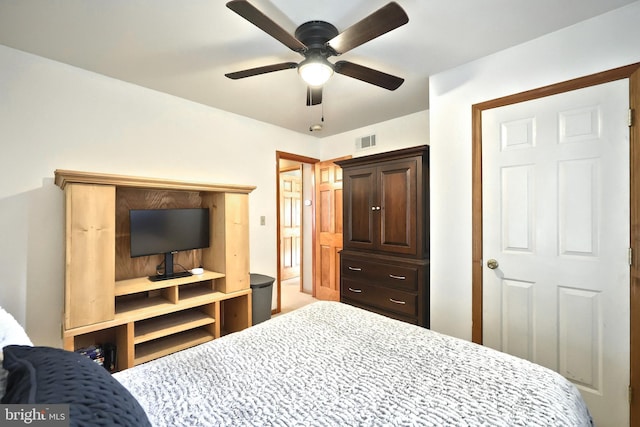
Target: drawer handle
{"points": [[395, 301], [393, 276], [355, 268], [357, 291]]}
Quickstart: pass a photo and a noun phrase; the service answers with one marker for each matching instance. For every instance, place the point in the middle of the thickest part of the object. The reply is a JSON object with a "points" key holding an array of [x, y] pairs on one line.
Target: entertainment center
{"points": [[109, 297]]}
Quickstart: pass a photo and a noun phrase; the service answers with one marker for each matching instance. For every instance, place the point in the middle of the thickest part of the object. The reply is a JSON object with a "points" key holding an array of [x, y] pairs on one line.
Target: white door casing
{"points": [[556, 218]]}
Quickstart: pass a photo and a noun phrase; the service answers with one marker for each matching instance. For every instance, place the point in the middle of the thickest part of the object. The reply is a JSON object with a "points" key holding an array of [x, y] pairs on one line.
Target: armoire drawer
{"points": [[383, 297], [396, 276]]}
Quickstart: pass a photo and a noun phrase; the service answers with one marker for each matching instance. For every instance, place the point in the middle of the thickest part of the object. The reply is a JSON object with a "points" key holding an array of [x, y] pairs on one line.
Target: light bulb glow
{"points": [[315, 72]]}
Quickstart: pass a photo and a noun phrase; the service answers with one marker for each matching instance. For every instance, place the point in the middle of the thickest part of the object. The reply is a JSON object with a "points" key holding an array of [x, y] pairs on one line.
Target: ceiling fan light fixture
{"points": [[315, 71]]}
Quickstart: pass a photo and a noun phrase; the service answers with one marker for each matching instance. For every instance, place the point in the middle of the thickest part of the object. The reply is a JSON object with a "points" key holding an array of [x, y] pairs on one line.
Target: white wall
{"points": [[407, 131], [53, 116], [599, 44]]}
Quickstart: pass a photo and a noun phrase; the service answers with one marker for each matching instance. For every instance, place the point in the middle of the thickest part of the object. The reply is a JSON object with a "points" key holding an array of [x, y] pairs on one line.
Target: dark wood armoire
{"points": [[385, 257]]}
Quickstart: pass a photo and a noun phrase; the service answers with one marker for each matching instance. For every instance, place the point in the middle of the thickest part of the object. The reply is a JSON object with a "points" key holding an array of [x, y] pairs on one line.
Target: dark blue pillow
{"points": [[45, 375]]}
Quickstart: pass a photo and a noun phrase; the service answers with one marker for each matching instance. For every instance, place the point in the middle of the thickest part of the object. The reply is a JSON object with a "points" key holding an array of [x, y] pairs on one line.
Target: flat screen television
{"points": [[167, 231]]}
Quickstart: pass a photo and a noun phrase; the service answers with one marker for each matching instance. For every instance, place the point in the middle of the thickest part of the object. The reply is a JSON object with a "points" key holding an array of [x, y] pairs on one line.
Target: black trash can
{"points": [[261, 294]]}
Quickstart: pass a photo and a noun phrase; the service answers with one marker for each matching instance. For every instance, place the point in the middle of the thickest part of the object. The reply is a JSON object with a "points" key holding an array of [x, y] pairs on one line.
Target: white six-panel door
{"points": [[555, 178]]}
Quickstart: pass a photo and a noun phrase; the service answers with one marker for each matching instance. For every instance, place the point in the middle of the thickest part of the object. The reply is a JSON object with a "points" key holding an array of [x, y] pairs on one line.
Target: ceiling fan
{"points": [[319, 40]]}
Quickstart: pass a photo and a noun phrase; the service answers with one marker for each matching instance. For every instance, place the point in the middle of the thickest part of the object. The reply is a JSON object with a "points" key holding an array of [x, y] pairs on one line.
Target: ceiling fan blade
{"points": [[314, 95], [266, 24], [261, 70], [368, 75], [381, 21]]}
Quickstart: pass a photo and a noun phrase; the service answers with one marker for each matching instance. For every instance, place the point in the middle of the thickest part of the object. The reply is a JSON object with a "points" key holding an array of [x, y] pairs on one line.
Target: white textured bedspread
{"points": [[330, 364]]}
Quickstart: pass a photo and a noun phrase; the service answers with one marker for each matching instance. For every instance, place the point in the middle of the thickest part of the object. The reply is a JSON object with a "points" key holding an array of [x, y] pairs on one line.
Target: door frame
{"points": [[281, 155], [632, 72]]}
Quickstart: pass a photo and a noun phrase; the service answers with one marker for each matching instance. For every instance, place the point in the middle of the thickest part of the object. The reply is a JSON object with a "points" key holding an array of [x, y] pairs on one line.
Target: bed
{"points": [[331, 364]]}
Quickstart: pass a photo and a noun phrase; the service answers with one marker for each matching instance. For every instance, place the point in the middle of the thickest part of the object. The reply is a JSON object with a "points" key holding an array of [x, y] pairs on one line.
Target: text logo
{"points": [[34, 415]]}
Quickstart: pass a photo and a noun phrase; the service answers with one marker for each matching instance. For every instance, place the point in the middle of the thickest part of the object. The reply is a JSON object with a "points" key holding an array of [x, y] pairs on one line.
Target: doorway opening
{"points": [[294, 229]]}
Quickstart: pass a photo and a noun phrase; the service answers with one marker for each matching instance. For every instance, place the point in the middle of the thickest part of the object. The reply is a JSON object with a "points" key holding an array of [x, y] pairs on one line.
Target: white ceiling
{"points": [[184, 48]]}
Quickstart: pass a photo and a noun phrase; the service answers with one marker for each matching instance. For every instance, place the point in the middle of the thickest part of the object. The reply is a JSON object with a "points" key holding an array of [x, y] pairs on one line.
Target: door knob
{"points": [[492, 264]]}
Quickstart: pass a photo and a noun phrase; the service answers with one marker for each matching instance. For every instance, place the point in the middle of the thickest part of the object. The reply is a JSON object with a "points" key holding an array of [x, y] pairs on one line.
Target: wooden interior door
{"points": [[290, 223], [328, 177]]}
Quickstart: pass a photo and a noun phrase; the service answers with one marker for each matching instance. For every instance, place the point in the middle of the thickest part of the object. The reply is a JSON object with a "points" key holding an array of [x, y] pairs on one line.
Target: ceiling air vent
{"points": [[365, 142]]}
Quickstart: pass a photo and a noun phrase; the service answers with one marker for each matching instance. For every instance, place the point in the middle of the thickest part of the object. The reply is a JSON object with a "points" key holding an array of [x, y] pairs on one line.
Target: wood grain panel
{"points": [[66, 177], [325, 210], [229, 215], [90, 237], [395, 188], [398, 199], [326, 255], [236, 313], [359, 191], [125, 348], [338, 212], [135, 198], [328, 231], [325, 175]]}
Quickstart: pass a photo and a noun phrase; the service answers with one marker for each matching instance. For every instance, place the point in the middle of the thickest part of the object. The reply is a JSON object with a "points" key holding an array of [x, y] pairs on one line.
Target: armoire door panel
{"points": [[358, 187], [398, 202]]}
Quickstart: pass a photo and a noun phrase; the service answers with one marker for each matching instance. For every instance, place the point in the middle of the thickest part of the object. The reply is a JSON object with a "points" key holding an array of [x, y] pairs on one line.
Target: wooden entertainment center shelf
{"points": [[138, 284], [108, 295]]}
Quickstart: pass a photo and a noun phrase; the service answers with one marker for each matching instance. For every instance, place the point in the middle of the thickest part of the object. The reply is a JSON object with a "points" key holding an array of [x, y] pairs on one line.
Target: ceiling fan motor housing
{"points": [[315, 35]]}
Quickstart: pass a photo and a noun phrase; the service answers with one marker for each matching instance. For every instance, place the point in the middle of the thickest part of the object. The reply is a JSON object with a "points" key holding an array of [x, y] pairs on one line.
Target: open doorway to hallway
{"points": [[295, 213]]}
